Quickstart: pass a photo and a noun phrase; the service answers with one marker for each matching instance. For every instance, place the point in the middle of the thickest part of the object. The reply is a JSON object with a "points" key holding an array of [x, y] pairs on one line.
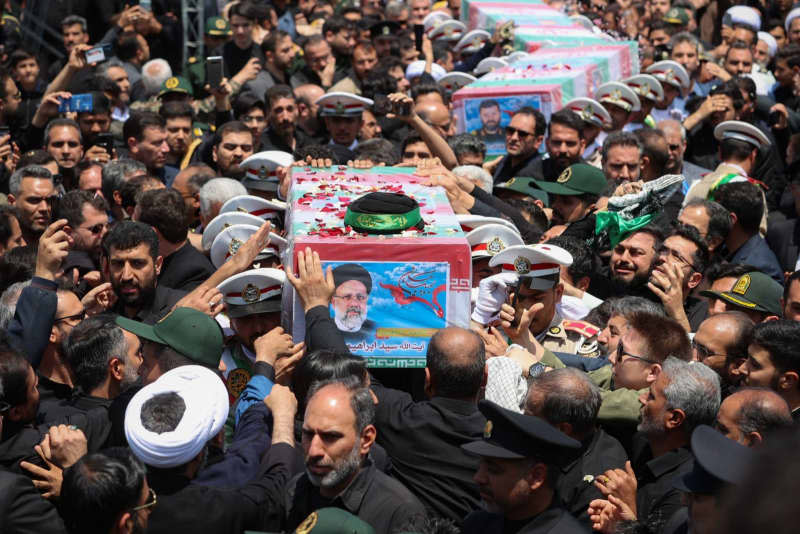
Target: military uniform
{"points": [[238, 368], [592, 112], [573, 337]]}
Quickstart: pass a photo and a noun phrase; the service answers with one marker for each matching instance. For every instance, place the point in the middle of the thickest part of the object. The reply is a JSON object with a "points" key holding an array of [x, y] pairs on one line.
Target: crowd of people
{"points": [[631, 361]]}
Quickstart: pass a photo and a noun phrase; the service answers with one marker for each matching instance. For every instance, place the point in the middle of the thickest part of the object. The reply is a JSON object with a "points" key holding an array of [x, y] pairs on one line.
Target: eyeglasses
{"points": [[703, 352], [416, 155], [357, 298], [151, 501], [97, 228], [621, 352], [522, 134], [78, 316], [666, 251]]}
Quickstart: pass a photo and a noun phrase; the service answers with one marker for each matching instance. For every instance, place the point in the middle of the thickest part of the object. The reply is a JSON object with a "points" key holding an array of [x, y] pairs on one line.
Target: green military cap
{"points": [[333, 521], [576, 179], [176, 84], [218, 27], [676, 15], [754, 291], [185, 330], [525, 186]]}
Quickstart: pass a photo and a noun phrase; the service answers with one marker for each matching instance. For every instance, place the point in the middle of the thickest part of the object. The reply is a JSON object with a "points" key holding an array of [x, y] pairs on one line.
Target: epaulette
{"points": [[585, 329]]}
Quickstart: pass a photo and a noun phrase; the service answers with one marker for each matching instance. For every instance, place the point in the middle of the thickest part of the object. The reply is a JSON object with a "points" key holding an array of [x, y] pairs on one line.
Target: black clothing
{"points": [[582, 229], [306, 76], [51, 394], [185, 269], [424, 441], [696, 311], [367, 329], [545, 169], [656, 499], [784, 240], [163, 300], [597, 455], [373, 496], [29, 330], [553, 520], [506, 171], [255, 506], [234, 58], [23, 509], [269, 140]]}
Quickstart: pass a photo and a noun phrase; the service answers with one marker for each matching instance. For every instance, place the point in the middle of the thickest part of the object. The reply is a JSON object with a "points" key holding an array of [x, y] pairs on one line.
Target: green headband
{"points": [[382, 223]]}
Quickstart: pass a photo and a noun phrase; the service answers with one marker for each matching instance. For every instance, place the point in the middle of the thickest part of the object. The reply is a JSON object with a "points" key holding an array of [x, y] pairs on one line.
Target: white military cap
{"points": [[519, 55], [469, 222], [453, 81], [231, 238], [416, 68], [741, 131], [670, 72], [746, 16], [645, 86], [339, 104], [590, 110], [619, 95], [434, 19], [261, 169], [268, 210], [491, 239], [489, 64], [772, 44], [793, 14], [582, 20], [449, 30], [224, 220], [472, 41], [538, 266], [254, 291]]}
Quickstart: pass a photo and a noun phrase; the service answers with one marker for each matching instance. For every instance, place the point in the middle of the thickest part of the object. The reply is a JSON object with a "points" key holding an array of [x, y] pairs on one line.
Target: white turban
{"points": [[772, 44], [416, 68], [206, 400], [793, 14]]}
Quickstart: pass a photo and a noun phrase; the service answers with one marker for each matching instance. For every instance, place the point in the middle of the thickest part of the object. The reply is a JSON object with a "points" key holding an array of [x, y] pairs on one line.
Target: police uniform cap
{"points": [[416, 68], [252, 292], [526, 186], [472, 41], [383, 213], [670, 72], [539, 264], [753, 291], [645, 86], [352, 271], [491, 239], [577, 179], [224, 220], [217, 27], [261, 169], [590, 110], [449, 30], [741, 131], [260, 207], [746, 16], [339, 104], [469, 222], [384, 29], [717, 461], [793, 14], [453, 81], [513, 435], [176, 84], [618, 94], [676, 15], [489, 64], [231, 238]]}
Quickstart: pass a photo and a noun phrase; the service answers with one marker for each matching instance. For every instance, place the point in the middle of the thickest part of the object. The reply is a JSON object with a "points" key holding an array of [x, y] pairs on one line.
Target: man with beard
{"points": [[595, 118], [87, 222], [132, 265], [338, 433], [621, 157], [188, 183], [62, 140], [574, 196], [282, 132], [178, 117], [32, 193], [145, 136], [632, 261], [278, 52], [353, 286], [118, 88], [519, 455], [93, 123], [490, 115], [523, 136], [342, 113], [233, 143]]}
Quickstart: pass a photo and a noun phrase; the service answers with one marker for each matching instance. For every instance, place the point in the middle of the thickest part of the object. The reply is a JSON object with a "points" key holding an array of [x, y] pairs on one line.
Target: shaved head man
{"points": [[750, 414], [437, 115]]}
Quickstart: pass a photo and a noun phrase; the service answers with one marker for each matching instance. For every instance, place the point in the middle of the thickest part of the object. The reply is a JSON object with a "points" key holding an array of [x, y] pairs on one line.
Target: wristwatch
{"points": [[535, 369]]}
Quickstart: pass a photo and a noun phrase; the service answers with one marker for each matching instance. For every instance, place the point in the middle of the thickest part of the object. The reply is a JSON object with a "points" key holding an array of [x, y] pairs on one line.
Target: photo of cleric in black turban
{"points": [[353, 286]]}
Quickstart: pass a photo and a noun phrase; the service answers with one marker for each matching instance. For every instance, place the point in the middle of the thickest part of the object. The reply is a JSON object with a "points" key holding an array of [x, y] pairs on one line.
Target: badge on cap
{"points": [[308, 524], [487, 429], [250, 293], [234, 245], [741, 285], [565, 175], [171, 83], [220, 23], [495, 246], [522, 265]]}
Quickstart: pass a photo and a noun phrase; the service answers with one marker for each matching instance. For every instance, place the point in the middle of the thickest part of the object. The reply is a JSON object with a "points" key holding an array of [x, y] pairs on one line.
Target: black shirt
{"points": [[375, 498], [185, 269], [656, 498], [553, 520], [163, 300], [506, 171], [234, 58], [270, 140]]}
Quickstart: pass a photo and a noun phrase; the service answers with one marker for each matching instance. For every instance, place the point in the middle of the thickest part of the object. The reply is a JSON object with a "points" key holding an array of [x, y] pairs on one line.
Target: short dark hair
{"points": [[139, 121], [795, 276], [91, 345], [719, 219], [37, 156], [739, 45], [378, 151], [244, 9], [620, 138], [127, 45], [567, 396], [727, 270], [323, 365], [126, 235], [729, 89], [272, 39], [230, 127], [657, 152], [19, 55], [244, 102], [568, 118], [582, 256], [456, 376], [6, 214], [277, 92], [663, 336], [427, 88], [115, 174], [701, 257], [410, 140], [467, 144], [70, 207], [164, 210], [13, 377], [540, 123], [176, 110], [743, 199], [735, 149], [488, 103], [780, 339], [99, 487], [336, 24], [130, 190]]}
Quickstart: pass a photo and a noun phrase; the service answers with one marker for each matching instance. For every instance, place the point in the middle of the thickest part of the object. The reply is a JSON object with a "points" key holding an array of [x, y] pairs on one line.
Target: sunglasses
{"points": [[621, 353], [522, 134], [97, 228], [78, 316]]}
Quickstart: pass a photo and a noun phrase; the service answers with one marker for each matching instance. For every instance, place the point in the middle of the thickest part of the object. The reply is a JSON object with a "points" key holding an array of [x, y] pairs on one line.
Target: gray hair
{"points": [[102, 68], [219, 191], [467, 144], [666, 124], [565, 396], [395, 7], [74, 19], [684, 37], [8, 302], [55, 123], [115, 173], [91, 345], [476, 175], [154, 73], [628, 305], [361, 401], [693, 388], [31, 171]]}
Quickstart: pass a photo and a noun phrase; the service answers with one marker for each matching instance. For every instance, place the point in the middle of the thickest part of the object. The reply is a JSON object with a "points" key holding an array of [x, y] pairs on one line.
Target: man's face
{"points": [[783, 72], [15, 240], [632, 258], [569, 208], [371, 129], [65, 146], [481, 270], [659, 37], [414, 153], [619, 116], [256, 121], [364, 61], [69, 313], [92, 180], [343, 130], [318, 55], [251, 327], [26, 72], [150, 369], [34, 204], [654, 408], [439, 117], [610, 335], [179, 134], [26, 412], [629, 369], [758, 369], [697, 217], [455, 8], [89, 234], [242, 31], [401, 18], [12, 99], [564, 145], [623, 163], [791, 305], [503, 484], [490, 118], [350, 305], [676, 146], [284, 53], [72, 35], [119, 76], [527, 297], [728, 114], [152, 150], [521, 139], [92, 124], [686, 54], [342, 42], [676, 252], [659, 8], [133, 361], [738, 61], [711, 342], [470, 158], [133, 274], [762, 52], [234, 148], [419, 10], [720, 285], [728, 417], [283, 116]]}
